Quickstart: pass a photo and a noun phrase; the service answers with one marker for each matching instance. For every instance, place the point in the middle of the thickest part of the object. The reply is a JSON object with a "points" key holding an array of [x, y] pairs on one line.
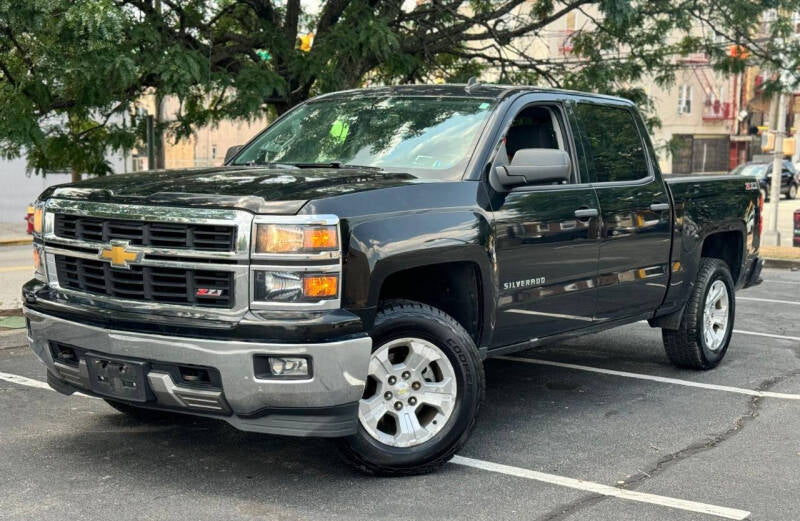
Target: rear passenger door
{"points": [[634, 207]]}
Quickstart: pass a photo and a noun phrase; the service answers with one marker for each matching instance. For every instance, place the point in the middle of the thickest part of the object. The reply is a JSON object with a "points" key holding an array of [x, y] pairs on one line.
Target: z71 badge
{"points": [[538, 281], [751, 185]]}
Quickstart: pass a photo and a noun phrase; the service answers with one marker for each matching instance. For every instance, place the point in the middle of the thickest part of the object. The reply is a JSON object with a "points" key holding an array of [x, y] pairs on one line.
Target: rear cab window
{"points": [[612, 147]]}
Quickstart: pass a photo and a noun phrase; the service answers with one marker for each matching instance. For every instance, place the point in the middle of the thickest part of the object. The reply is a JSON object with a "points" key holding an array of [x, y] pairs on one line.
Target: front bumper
{"points": [[325, 404]]}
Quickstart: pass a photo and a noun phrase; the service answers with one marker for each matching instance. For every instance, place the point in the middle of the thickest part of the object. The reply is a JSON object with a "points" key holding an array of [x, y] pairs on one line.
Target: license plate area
{"points": [[117, 378]]}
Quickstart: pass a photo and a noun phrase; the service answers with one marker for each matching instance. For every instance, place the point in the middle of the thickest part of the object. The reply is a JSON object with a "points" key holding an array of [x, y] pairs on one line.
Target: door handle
{"points": [[586, 213], [659, 207]]}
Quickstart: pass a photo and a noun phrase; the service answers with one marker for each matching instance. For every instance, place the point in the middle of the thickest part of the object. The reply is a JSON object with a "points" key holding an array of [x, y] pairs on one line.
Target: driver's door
{"points": [[547, 238]]}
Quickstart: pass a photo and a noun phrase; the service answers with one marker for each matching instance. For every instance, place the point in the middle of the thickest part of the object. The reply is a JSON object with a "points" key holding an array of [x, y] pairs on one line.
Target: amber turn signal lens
{"points": [[37, 220], [320, 238], [320, 286], [37, 259]]}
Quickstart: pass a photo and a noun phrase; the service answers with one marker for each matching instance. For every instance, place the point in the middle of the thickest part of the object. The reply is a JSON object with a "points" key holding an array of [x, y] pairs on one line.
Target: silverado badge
{"points": [[118, 254]]}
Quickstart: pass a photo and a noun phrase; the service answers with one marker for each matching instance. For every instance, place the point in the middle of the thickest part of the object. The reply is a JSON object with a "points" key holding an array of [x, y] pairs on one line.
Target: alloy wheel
{"points": [[716, 315], [410, 393]]}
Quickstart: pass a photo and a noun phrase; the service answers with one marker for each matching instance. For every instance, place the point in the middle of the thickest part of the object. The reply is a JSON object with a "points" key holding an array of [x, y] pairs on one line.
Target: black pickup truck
{"points": [[347, 271]]}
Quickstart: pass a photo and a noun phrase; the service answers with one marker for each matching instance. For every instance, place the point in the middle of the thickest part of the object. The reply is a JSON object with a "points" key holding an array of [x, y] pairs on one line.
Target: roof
{"points": [[480, 90]]}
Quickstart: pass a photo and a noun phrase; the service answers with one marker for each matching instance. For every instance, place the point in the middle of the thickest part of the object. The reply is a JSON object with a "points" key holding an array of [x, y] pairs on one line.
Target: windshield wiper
{"points": [[335, 164], [287, 166]]}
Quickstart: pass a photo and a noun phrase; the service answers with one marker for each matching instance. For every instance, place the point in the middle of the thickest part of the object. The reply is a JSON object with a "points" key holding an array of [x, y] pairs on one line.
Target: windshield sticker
{"points": [[339, 130]]}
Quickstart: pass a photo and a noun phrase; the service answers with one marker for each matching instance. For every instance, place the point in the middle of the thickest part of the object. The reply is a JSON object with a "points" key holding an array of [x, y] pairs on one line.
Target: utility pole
{"points": [[158, 127], [772, 237]]}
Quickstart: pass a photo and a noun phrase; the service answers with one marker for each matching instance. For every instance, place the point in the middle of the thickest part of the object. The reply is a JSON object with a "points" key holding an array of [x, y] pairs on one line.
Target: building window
{"points": [[685, 99], [213, 151]]}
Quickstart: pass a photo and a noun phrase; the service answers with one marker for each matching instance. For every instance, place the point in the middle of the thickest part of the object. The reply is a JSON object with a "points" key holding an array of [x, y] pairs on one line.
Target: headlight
{"points": [[296, 263], [296, 238]]}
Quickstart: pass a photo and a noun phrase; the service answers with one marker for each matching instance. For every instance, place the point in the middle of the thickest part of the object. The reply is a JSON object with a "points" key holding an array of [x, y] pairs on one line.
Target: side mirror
{"points": [[535, 166], [232, 151]]}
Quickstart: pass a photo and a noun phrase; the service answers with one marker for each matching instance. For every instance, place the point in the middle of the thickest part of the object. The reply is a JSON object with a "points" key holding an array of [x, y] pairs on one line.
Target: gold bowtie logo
{"points": [[118, 254]]}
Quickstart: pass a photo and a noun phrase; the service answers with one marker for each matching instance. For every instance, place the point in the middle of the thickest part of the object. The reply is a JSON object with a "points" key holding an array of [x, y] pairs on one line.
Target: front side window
{"points": [[613, 148], [424, 136]]}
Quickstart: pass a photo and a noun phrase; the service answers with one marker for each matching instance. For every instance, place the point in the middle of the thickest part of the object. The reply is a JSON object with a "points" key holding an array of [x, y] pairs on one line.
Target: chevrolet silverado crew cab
{"points": [[345, 273]]}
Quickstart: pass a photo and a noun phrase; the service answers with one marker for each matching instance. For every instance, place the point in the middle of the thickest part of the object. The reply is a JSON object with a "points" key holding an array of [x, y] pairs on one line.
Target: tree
{"points": [[71, 70]]}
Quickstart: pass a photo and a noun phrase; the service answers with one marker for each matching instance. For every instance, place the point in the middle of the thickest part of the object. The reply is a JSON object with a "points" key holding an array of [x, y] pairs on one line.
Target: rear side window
{"points": [[613, 147]]}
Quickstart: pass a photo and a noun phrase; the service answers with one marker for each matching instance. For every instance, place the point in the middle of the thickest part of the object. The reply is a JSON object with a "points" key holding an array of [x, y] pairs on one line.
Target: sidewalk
{"points": [[12, 329], [13, 234]]}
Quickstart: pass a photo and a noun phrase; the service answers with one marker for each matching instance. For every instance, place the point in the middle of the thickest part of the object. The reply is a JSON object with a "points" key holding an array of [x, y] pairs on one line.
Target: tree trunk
{"points": [[76, 176], [160, 159]]}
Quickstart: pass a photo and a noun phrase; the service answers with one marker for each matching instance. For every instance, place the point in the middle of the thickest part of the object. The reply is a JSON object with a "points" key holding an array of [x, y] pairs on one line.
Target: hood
{"points": [[257, 189]]}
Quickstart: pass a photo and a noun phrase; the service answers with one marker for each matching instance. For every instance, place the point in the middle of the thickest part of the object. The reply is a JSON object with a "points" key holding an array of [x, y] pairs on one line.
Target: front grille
{"points": [[146, 283], [203, 237]]}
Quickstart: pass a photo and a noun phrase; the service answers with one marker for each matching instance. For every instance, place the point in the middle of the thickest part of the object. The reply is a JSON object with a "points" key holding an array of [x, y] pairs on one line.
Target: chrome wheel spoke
{"points": [[371, 411], [380, 366], [419, 357], [409, 428], [439, 395]]}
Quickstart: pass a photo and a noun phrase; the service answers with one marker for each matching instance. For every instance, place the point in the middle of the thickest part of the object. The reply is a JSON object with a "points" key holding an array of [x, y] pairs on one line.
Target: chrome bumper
{"points": [[280, 406]]}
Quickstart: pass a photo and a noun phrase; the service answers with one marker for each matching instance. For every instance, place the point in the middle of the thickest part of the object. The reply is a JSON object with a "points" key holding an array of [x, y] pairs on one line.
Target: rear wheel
{"points": [[424, 387], [702, 339], [792, 192]]}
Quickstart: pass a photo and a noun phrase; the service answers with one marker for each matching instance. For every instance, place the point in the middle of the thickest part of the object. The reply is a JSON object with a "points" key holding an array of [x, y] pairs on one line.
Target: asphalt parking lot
{"points": [[600, 427]]}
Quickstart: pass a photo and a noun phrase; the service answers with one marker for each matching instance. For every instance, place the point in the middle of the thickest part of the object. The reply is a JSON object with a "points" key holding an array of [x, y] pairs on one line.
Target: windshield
{"points": [[425, 136], [756, 170]]}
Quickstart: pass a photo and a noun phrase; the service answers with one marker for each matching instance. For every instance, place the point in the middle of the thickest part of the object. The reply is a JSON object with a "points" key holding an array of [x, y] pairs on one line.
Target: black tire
{"points": [[792, 193], [686, 346], [398, 319], [141, 413]]}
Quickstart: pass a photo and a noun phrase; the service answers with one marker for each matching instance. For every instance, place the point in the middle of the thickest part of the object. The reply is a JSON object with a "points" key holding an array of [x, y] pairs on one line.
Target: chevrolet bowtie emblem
{"points": [[118, 254]]}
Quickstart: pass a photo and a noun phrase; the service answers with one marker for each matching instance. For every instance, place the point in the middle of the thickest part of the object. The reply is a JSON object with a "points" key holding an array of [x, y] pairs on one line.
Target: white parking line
{"points": [[769, 335], [744, 332], [754, 299], [653, 378], [773, 281], [24, 380], [578, 484], [30, 382], [604, 490]]}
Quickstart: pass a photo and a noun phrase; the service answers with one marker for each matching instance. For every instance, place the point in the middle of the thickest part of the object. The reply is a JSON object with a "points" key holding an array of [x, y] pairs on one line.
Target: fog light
{"points": [[288, 366]]}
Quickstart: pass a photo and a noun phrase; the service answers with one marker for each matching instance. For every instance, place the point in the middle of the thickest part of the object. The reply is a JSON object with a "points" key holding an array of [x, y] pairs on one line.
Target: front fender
{"points": [[383, 245]]}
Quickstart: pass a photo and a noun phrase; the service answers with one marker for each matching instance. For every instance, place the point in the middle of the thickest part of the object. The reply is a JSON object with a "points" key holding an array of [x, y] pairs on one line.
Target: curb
{"points": [[16, 242], [785, 264], [13, 339]]}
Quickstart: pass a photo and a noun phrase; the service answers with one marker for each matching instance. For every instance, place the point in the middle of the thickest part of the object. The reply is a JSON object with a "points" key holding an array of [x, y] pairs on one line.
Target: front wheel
{"points": [[702, 338], [792, 192], [423, 391]]}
